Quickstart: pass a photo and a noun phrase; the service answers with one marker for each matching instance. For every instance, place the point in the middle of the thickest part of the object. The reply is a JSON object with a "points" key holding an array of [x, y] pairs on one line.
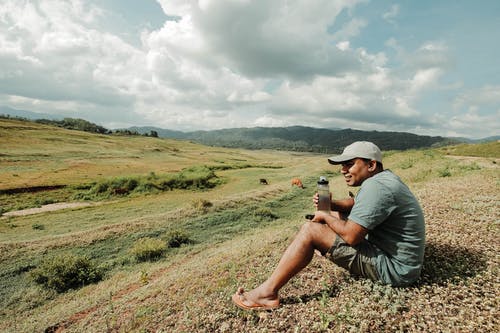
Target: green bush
{"points": [[406, 164], [100, 187], [148, 248], [472, 167], [197, 177], [265, 213], [37, 226], [66, 271], [444, 172], [194, 178], [44, 201], [178, 237]]}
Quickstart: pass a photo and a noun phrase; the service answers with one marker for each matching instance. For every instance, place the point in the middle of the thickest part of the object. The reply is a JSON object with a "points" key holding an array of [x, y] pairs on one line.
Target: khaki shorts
{"points": [[358, 260]]}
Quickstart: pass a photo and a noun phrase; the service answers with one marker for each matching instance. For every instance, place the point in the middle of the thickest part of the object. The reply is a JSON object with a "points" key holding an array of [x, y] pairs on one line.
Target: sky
{"points": [[428, 67]]}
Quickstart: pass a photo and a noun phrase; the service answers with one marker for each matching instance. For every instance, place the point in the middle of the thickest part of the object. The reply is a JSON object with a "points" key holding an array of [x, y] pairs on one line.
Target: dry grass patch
{"points": [[458, 290]]}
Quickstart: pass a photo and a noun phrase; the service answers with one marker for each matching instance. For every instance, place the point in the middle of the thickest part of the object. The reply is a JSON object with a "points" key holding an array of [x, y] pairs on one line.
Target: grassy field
{"points": [[235, 230]]}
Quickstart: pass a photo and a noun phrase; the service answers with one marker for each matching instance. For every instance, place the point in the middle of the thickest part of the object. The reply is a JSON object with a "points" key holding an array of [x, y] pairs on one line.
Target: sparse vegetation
{"points": [[199, 177], [177, 238], [202, 205], [265, 213], [445, 172], [38, 226], [489, 150], [148, 249], [67, 271]]}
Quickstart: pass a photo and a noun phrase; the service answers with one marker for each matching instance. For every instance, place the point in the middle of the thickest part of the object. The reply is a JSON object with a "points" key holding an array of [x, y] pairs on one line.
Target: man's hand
{"points": [[316, 200], [319, 216], [351, 232]]}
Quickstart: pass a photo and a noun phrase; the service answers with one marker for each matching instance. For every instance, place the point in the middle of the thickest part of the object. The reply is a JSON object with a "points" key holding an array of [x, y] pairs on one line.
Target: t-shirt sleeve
{"points": [[372, 205]]}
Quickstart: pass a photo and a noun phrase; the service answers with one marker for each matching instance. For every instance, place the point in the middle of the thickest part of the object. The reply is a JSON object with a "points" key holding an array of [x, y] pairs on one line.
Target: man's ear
{"points": [[372, 166]]}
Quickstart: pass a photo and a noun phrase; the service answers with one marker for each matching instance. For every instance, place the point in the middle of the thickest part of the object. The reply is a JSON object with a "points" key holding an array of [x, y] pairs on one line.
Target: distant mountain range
{"points": [[294, 138], [4, 110], [300, 138]]}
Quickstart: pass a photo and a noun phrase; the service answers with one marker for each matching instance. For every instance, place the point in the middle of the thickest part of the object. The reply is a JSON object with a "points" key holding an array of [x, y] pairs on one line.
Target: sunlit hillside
{"points": [[167, 230]]}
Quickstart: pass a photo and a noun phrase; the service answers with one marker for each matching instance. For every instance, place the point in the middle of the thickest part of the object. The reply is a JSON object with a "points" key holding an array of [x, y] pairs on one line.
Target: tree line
{"points": [[83, 125]]}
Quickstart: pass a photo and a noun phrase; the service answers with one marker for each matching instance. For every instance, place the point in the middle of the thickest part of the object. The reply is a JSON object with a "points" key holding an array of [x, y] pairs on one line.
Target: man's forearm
{"points": [[336, 224], [351, 232], [342, 205]]}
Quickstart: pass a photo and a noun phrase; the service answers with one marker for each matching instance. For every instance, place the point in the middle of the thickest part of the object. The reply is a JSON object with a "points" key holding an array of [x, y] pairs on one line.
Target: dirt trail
{"points": [[47, 208]]}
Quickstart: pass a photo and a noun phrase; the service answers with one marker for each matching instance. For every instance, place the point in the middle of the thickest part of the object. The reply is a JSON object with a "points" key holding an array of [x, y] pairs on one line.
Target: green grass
{"points": [[113, 252], [490, 150]]}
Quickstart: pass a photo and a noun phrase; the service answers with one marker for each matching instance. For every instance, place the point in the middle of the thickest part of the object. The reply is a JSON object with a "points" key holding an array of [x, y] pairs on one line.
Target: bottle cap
{"points": [[322, 180]]}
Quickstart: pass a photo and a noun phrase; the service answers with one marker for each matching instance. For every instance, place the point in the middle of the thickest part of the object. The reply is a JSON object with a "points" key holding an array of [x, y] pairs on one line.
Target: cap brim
{"points": [[339, 159]]}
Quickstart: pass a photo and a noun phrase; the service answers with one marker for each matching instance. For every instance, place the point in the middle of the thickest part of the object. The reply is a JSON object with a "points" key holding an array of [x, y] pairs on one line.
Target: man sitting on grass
{"points": [[379, 234]]}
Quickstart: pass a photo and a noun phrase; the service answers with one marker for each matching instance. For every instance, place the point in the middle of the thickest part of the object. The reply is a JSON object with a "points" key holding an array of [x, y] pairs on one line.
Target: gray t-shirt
{"points": [[386, 207]]}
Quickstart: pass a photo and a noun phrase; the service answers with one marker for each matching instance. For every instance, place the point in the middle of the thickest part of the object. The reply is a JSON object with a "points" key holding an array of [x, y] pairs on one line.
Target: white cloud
{"points": [[350, 29], [343, 45], [465, 123], [392, 13], [270, 121], [58, 58], [424, 79], [225, 63], [487, 96]]}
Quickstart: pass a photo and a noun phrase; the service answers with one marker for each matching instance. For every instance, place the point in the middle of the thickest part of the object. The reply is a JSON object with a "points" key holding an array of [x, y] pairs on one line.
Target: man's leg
{"points": [[312, 236]]}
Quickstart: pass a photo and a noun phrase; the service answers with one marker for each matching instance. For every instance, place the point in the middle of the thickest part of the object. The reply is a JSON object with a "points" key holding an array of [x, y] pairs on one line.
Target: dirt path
{"points": [[47, 208]]}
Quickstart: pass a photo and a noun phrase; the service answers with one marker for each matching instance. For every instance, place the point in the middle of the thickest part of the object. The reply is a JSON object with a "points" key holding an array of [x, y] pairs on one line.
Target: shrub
{"points": [[406, 164], [197, 177], [146, 187], [265, 213], [444, 172], [201, 205], [44, 201], [100, 187], [66, 271], [194, 178], [148, 248], [37, 226], [178, 237], [130, 184], [472, 167]]}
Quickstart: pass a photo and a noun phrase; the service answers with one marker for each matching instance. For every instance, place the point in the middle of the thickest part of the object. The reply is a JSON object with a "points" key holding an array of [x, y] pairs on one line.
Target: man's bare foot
{"points": [[255, 300]]}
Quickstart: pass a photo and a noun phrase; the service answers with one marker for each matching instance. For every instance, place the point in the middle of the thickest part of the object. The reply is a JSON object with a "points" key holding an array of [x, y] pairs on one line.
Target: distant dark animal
{"points": [[263, 181], [297, 182], [120, 191]]}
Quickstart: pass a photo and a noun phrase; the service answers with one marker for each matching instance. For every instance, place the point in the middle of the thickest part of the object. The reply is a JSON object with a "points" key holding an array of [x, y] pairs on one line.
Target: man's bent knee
{"points": [[320, 235]]}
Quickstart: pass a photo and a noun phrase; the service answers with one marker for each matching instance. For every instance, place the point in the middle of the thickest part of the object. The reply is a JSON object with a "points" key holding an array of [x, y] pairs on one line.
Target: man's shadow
{"points": [[443, 264]]}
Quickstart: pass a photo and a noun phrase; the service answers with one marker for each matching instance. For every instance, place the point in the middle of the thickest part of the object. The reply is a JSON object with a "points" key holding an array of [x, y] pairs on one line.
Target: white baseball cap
{"points": [[358, 149]]}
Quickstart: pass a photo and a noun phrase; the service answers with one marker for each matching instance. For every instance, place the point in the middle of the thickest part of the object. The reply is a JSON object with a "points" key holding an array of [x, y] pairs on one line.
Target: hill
{"points": [[6, 111], [213, 239], [294, 138], [300, 138]]}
